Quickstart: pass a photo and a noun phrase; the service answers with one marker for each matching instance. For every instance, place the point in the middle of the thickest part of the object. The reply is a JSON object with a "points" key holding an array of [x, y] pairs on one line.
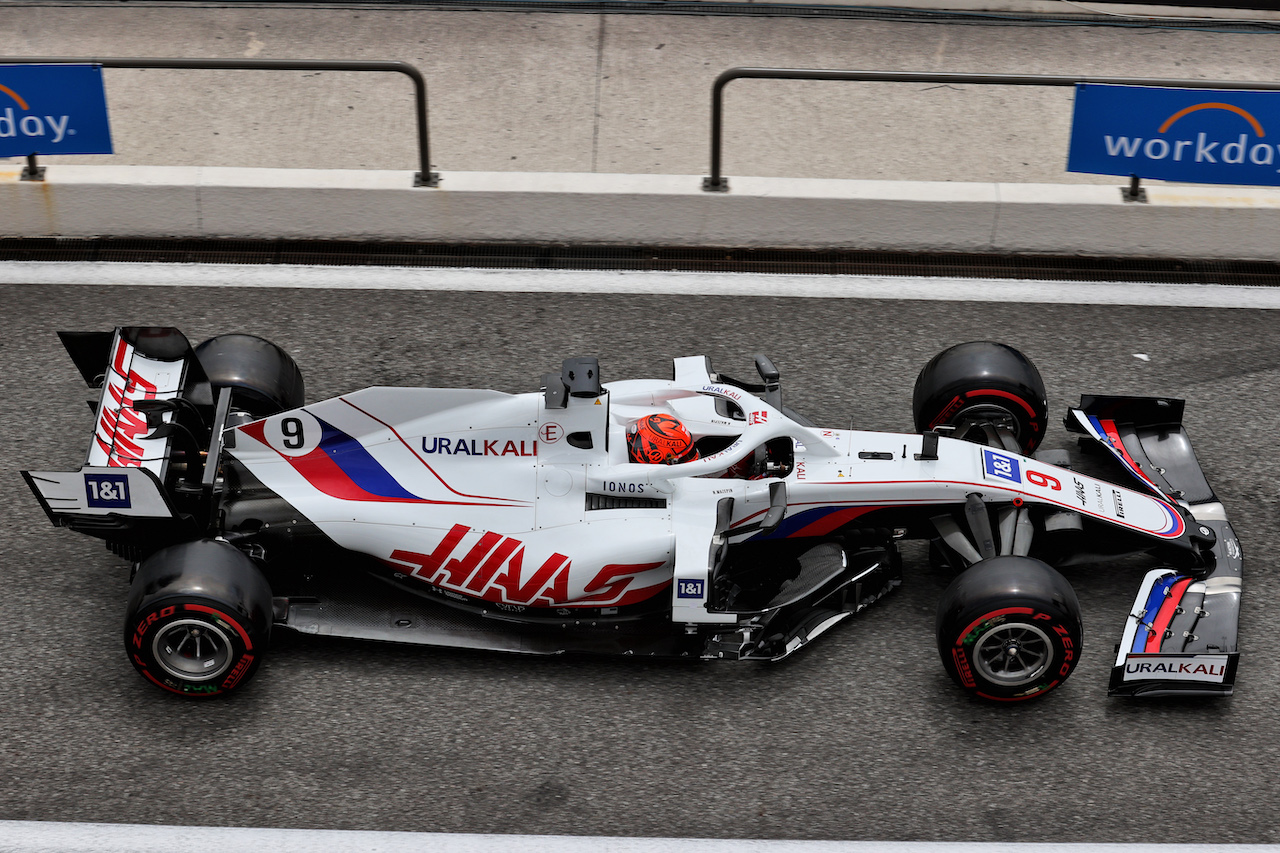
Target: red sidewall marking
{"points": [[992, 392], [992, 615], [248, 644]]}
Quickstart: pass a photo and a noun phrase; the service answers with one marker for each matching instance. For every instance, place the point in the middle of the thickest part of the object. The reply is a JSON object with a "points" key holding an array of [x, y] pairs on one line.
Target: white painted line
{"points": [[637, 282], [42, 837]]}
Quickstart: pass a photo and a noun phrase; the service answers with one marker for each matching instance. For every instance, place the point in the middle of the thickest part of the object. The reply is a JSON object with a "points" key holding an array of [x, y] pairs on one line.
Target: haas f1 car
{"points": [[528, 523]]}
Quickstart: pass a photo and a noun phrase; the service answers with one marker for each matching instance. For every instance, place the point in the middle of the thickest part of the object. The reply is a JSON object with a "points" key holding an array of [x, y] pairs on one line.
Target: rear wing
{"points": [[1180, 637], [141, 364], [143, 479]]}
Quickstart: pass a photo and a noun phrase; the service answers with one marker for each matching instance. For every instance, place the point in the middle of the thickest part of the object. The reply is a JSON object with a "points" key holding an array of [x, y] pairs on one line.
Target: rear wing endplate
{"points": [[99, 491]]}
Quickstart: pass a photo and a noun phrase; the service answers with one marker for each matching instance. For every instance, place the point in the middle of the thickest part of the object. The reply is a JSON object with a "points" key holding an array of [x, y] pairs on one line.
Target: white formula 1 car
{"points": [[480, 519]]}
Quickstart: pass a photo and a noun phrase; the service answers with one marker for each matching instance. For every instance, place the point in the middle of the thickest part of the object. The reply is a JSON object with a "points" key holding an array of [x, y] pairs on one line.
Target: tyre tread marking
{"points": [[988, 616], [244, 635], [994, 392]]}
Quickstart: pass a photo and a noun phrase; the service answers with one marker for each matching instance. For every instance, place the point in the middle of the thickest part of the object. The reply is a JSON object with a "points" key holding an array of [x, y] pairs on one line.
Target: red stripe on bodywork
{"points": [[1113, 435], [831, 521], [319, 469], [1165, 615], [743, 521], [423, 461], [256, 431], [1039, 496]]}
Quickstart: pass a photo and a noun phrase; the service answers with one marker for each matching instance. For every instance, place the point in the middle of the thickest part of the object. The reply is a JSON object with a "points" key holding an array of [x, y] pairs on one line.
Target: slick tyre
{"points": [[1009, 629], [198, 619], [982, 382], [263, 377]]}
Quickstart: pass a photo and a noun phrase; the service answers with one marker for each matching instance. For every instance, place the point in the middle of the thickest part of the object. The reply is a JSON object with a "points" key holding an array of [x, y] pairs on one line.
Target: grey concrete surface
{"points": [[625, 93], [590, 208], [860, 737]]}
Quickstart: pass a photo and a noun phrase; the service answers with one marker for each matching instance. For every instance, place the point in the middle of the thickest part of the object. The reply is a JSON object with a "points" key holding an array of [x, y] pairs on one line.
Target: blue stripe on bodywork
{"points": [[799, 521], [1159, 591], [356, 462]]}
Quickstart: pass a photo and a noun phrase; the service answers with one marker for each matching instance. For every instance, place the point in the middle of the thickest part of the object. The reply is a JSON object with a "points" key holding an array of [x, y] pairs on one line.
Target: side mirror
{"points": [[777, 507], [772, 384]]}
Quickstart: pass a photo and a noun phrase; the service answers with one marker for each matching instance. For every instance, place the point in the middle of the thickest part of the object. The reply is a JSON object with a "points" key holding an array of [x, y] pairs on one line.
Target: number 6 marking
{"points": [[1043, 480]]}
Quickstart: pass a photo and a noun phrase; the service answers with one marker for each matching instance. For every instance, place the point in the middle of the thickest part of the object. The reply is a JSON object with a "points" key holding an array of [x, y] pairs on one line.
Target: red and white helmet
{"points": [[660, 439]]}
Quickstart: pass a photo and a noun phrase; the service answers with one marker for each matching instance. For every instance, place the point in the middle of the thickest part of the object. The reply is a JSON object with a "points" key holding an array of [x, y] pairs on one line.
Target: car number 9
{"points": [[295, 433]]}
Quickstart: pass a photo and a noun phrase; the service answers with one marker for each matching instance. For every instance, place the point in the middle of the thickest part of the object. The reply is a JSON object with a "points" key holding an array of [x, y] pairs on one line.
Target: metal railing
{"points": [[718, 183], [424, 177]]}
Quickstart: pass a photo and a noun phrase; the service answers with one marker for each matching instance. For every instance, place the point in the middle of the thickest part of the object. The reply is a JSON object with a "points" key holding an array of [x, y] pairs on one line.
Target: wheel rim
{"points": [[1013, 654], [972, 416], [192, 650]]}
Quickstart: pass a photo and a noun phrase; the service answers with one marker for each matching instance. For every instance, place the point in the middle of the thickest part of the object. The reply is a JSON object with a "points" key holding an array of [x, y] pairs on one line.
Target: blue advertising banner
{"points": [[1203, 136], [53, 109]]}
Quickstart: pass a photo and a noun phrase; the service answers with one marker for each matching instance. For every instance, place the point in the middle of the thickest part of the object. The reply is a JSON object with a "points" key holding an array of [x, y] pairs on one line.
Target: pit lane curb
{"points": [[1237, 223], [56, 837]]}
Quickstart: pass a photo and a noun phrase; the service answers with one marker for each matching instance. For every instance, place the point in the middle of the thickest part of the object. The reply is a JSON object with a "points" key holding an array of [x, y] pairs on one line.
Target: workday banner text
{"points": [[1203, 136], [53, 109]]}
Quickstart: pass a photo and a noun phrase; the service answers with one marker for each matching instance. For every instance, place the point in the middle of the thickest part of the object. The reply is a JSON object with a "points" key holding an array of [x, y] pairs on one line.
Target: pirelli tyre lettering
{"points": [[1008, 629]]}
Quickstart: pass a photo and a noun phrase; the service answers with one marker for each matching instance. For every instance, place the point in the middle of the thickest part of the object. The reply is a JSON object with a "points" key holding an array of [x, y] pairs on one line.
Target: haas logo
{"points": [[493, 569]]}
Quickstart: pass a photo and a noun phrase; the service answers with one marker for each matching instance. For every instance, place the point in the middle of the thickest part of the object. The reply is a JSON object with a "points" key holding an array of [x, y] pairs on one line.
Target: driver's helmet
{"points": [[660, 439]]}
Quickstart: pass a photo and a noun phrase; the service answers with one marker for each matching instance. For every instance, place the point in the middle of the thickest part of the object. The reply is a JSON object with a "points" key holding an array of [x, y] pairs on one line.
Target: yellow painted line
{"points": [[1192, 199]]}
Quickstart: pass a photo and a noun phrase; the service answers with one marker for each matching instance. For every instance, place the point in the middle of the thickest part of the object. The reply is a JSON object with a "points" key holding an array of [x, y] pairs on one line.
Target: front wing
{"points": [[1180, 637]]}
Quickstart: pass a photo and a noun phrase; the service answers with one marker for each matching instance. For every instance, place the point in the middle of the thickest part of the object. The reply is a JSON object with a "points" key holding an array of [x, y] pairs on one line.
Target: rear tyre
{"points": [[263, 377], [198, 619], [979, 383], [1009, 629]]}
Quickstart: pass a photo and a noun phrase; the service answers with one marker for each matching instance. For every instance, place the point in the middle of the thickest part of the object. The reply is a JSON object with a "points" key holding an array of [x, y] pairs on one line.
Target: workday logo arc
{"points": [[1191, 135], [53, 109], [12, 94]]}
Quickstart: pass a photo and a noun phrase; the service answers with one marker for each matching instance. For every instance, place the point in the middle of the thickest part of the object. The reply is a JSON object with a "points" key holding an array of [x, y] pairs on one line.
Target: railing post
{"points": [[32, 171], [719, 183], [424, 177], [716, 183]]}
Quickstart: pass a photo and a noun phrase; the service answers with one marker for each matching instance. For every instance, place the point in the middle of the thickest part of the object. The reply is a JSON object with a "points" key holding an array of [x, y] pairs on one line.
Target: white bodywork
{"points": [[118, 438], [485, 494]]}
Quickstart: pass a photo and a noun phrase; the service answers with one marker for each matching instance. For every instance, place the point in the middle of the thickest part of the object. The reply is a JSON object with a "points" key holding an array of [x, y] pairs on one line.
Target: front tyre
{"points": [[982, 383], [1009, 629], [198, 618]]}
